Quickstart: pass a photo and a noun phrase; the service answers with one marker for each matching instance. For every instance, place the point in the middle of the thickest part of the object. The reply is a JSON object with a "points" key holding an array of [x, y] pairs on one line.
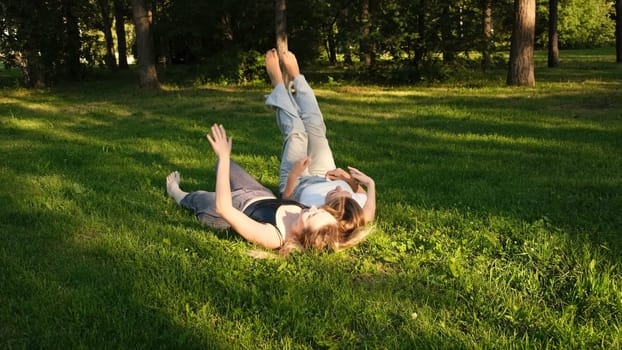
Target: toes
{"points": [[271, 54], [173, 177]]}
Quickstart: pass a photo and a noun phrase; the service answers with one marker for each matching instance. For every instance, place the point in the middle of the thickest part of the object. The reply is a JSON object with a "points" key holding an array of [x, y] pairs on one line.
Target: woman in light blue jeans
{"points": [[308, 173]]}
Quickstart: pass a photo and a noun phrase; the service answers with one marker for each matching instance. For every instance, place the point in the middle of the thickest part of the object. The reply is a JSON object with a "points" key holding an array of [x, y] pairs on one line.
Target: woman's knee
{"points": [[289, 124], [214, 222], [315, 126]]}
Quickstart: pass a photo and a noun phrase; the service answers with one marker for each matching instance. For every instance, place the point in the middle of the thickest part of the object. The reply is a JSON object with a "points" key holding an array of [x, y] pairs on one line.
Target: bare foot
{"points": [[291, 64], [273, 68], [172, 187]]}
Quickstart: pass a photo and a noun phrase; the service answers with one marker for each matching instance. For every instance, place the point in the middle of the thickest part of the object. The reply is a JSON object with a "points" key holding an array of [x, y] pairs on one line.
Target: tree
{"points": [[148, 75], [553, 59], [119, 18], [521, 68], [421, 45], [487, 24], [448, 42], [42, 39], [619, 31], [344, 38], [106, 27], [280, 7], [366, 50], [280, 22], [72, 45]]}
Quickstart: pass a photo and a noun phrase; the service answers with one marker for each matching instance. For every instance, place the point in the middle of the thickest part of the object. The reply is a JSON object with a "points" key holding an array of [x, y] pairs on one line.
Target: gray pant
{"points": [[243, 189], [300, 120]]}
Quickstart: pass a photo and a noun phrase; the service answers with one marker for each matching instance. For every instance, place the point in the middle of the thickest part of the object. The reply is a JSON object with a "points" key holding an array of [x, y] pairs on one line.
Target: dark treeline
{"points": [[386, 40]]}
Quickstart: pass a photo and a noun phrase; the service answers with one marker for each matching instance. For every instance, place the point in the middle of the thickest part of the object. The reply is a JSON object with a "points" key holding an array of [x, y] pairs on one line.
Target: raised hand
{"points": [[338, 174], [300, 166], [360, 177], [221, 144]]}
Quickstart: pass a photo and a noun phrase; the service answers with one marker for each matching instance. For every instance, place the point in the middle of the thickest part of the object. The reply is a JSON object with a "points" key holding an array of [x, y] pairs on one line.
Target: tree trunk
{"points": [[330, 43], [109, 58], [420, 45], [31, 67], [619, 31], [119, 19], [280, 21], [347, 48], [365, 43], [144, 43], [36, 71], [72, 44], [553, 60], [521, 69], [446, 34], [487, 21]]}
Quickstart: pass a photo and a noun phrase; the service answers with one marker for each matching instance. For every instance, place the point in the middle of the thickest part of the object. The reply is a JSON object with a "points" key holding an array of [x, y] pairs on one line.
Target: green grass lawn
{"points": [[499, 217]]}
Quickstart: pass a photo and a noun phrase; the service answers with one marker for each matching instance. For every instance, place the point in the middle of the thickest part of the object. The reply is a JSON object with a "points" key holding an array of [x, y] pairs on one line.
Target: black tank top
{"points": [[264, 210]]}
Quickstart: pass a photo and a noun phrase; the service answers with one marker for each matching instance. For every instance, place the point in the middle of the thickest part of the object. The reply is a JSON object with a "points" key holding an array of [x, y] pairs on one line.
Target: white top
{"points": [[315, 194], [286, 215]]}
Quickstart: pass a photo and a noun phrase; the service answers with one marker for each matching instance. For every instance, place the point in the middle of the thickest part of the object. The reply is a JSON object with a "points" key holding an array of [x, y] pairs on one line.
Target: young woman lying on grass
{"points": [[308, 173], [253, 211]]}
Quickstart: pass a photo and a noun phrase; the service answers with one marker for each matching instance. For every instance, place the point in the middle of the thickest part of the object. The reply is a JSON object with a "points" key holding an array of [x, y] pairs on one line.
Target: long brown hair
{"points": [[349, 230], [348, 213]]}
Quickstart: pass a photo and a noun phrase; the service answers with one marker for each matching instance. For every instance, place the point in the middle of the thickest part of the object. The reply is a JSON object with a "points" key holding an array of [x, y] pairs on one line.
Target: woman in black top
{"points": [[252, 210]]}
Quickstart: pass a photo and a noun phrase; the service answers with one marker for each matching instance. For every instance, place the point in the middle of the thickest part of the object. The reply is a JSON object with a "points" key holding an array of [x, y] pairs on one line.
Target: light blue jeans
{"points": [[300, 120]]}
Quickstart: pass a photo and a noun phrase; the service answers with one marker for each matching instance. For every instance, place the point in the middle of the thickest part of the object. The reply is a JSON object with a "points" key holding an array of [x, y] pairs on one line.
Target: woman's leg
{"points": [[287, 119], [240, 180], [201, 203], [318, 148]]}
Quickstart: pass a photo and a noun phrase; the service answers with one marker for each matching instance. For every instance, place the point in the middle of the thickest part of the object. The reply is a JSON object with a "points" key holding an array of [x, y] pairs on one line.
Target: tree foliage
{"points": [[403, 40], [40, 38], [586, 23]]}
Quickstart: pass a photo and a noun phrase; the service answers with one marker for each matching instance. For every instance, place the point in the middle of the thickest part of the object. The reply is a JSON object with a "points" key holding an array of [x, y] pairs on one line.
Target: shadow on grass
{"points": [[72, 292]]}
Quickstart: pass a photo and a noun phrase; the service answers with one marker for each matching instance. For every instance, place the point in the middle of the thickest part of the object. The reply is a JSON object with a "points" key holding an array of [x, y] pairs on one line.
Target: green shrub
{"points": [[233, 67], [586, 24]]}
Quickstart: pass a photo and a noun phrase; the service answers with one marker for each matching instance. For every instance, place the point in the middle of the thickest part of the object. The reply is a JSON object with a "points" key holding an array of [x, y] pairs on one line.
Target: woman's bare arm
{"points": [[369, 209], [259, 233], [293, 176]]}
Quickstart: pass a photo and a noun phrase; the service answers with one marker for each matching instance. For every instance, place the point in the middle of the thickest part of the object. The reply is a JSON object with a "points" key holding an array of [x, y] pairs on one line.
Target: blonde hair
{"points": [[349, 230]]}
